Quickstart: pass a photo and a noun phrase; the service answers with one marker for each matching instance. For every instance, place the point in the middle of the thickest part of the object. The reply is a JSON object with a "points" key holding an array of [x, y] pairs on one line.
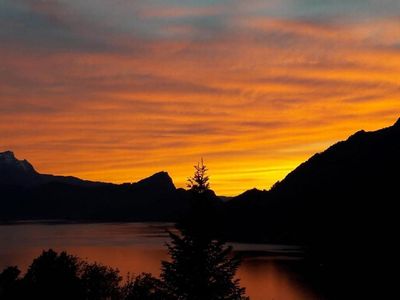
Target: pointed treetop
{"points": [[199, 181]]}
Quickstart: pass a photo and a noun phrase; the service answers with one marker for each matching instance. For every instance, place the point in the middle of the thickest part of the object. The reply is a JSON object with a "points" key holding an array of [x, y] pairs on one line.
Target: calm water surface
{"points": [[139, 247]]}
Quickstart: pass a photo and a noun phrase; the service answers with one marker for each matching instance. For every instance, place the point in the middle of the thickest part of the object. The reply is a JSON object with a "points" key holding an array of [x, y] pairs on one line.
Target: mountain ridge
{"points": [[28, 194], [357, 136], [346, 178], [28, 168], [347, 193], [22, 173], [353, 150]]}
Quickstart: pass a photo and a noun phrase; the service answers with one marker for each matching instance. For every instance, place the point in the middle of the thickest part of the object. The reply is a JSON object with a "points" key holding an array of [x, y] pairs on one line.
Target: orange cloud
{"points": [[254, 100]]}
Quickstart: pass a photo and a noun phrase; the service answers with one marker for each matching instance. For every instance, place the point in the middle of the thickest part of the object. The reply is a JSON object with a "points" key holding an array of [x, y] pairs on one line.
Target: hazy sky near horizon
{"points": [[118, 90]]}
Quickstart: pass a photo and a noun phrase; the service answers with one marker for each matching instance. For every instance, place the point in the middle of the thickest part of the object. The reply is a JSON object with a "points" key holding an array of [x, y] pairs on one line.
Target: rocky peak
{"points": [[7, 156], [13, 170], [161, 181]]}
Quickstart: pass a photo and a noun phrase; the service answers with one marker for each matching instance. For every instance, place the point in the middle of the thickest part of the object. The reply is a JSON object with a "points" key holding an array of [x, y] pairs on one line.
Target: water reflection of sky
{"points": [[139, 247]]}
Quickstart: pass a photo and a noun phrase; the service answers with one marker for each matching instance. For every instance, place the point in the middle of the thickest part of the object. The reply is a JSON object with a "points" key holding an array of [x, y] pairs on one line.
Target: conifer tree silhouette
{"points": [[202, 267]]}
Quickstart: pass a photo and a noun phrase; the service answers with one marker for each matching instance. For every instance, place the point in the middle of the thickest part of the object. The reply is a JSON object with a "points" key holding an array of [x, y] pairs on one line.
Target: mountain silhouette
{"points": [[161, 180], [16, 172], [338, 190], [27, 194], [21, 173], [354, 182], [364, 158]]}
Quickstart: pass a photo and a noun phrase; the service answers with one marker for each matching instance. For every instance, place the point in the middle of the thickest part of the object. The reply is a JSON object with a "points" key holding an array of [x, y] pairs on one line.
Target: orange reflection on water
{"points": [[266, 279], [137, 247]]}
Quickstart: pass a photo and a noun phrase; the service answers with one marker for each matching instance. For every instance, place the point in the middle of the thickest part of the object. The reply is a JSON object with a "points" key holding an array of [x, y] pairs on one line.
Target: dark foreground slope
{"points": [[342, 204]]}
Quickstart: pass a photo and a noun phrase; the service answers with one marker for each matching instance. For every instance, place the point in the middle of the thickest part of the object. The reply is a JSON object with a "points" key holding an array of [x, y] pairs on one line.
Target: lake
{"points": [[267, 271]]}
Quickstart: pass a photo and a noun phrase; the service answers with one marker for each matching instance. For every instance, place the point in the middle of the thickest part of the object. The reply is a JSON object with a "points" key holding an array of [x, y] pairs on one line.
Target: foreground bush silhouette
{"points": [[206, 273], [100, 282], [54, 276], [9, 283], [61, 276], [144, 286]]}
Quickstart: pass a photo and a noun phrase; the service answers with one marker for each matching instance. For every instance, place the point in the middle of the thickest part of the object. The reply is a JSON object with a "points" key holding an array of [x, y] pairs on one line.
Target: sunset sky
{"points": [[118, 90]]}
